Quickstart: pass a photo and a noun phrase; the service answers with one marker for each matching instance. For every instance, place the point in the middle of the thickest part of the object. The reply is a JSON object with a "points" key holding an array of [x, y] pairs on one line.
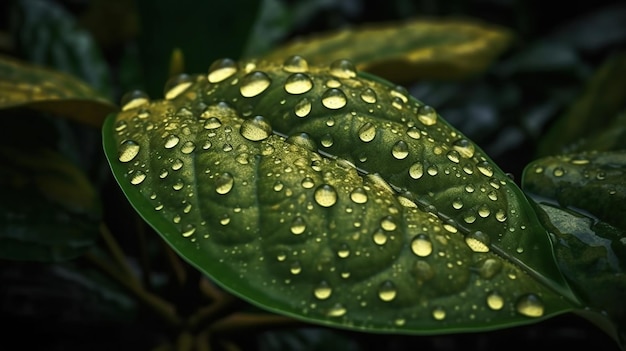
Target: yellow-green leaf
{"points": [[406, 51], [27, 85]]}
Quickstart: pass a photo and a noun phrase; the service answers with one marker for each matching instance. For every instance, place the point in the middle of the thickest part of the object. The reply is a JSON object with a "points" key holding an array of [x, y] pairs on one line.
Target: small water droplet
{"points": [[221, 69], [298, 226], [421, 245], [334, 99], [478, 241], [256, 129], [457, 203], [530, 305], [254, 83], [379, 237], [278, 186], [388, 224], [358, 195], [485, 168], [558, 172], [413, 132], [495, 301], [400, 150], [295, 268], [367, 132], [171, 141], [337, 311], [432, 170], [134, 99], [344, 251], [427, 115], [128, 151], [189, 230], [492, 195], [464, 147], [298, 83], [453, 156], [322, 291], [224, 183], [212, 123], [369, 96], [137, 178], [484, 211], [325, 195], [188, 147], [177, 85], [501, 216], [387, 291], [342, 69], [177, 164], [295, 64], [307, 183], [303, 108], [416, 171], [178, 185], [439, 313], [303, 140], [489, 268], [225, 219]]}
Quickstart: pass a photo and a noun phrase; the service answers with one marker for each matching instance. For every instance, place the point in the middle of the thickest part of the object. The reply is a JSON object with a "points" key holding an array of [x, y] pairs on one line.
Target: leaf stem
{"points": [[116, 251]]}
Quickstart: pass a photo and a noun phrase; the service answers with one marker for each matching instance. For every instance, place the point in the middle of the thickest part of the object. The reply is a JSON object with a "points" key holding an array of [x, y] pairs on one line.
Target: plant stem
{"points": [[116, 251]]}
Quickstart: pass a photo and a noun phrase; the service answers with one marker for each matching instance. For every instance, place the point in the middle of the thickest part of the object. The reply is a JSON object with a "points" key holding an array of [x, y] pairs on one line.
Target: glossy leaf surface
{"points": [[406, 52], [334, 197]]}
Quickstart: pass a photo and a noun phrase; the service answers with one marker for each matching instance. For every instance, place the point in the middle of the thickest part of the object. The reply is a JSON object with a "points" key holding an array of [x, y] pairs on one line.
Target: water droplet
{"points": [[256, 129], [177, 164], [163, 174], [484, 211], [367, 132], [278, 185], [413, 132], [478, 241], [224, 183], [344, 251], [307, 183], [295, 268], [189, 230], [343, 69], [492, 195], [128, 151], [457, 204], [298, 226], [388, 224], [530, 305], [400, 150], [464, 147], [178, 185], [322, 291], [221, 69], [485, 168], [421, 245], [298, 83], [439, 313], [188, 147], [134, 99], [501, 216], [399, 322], [325, 195], [327, 140], [558, 172], [427, 115], [254, 83], [177, 85], [334, 99], [358, 195], [295, 64], [495, 301], [369, 96], [171, 141], [432, 170], [489, 268], [380, 238], [137, 178], [225, 219], [453, 156], [303, 108], [303, 140], [416, 171], [387, 291], [212, 123], [336, 311]]}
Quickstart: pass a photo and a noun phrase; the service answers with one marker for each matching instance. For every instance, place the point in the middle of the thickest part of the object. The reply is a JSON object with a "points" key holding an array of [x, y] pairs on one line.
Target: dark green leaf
{"points": [[336, 198]]}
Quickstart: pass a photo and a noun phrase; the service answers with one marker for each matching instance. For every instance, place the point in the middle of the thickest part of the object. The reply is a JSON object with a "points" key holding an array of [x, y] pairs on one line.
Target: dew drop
{"points": [[221, 69], [558, 172], [224, 183], [367, 132], [307, 183], [128, 151], [212, 123], [358, 195], [178, 185], [137, 178], [322, 291], [254, 83], [379, 237], [295, 64], [495, 301], [501, 216], [303, 108], [478, 241], [457, 204], [530, 305], [344, 251], [489, 268], [387, 291], [189, 230], [413, 132], [298, 226], [453, 156], [295, 268], [400, 150], [303, 140], [171, 141], [427, 115], [336, 311], [368, 96], [416, 171], [432, 170], [484, 211], [388, 224], [343, 69], [134, 99], [334, 99], [485, 168], [298, 83], [421, 245], [325, 195], [177, 85], [256, 129], [177, 164], [327, 140], [439, 313], [188, 147], [464, 147]]}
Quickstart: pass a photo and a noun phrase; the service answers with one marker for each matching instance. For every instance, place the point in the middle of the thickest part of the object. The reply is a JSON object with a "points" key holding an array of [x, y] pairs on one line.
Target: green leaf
{"points": [[407, 51], [26, 85], [335, 198]]}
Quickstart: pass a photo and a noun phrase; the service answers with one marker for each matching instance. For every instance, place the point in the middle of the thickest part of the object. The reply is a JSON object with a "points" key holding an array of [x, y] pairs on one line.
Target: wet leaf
{"points": [[334, 197], [405, 52], [50, 211], [27, 85]]}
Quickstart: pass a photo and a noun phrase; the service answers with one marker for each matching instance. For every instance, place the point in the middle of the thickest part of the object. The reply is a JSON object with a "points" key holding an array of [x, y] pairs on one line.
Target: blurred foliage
{"points": [[563, 65]]}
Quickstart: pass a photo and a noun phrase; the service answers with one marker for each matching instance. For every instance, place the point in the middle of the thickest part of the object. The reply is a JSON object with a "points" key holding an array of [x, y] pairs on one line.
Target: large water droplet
{"points": [[322, 291], [464, 147], [334, 99], [134, 99], [379, 237], [224, 183], [369, 96], [416, 171], [221, 69], [427, 115], [177, 85], [303, 108], [171, 141], [295, 64], [358, 195], [400, 150], [421, 245], [298, 226], [485, 168], [188, 147], [343, 69], [495, 301], [325, 195], [530, 305], [298, 83], [128, 151], [478, 241], [254, 83], [137, 177], [387, 291], [388, 224], [212, 123], [367, 132], [256, 129]]}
